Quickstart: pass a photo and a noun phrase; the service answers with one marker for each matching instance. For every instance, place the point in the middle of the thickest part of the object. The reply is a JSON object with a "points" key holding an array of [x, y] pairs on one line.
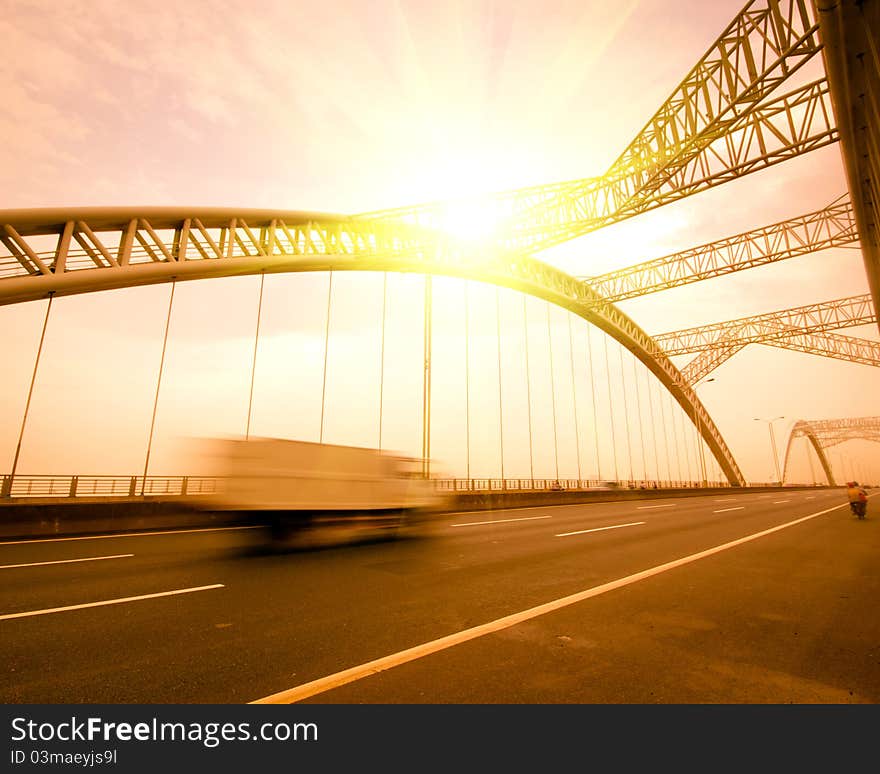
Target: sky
{"points": [[349, 107]]}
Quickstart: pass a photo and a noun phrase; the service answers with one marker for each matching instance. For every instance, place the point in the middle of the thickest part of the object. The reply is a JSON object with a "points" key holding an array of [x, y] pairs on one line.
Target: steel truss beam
{"points": [[772, 328], [786, 127], [847, 348], [717, 125], [833, 226], [826, 433], [203, 244], [759, 144]]}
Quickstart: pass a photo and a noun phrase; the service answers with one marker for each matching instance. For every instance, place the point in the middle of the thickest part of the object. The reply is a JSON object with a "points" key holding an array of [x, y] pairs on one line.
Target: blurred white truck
{"points": [[295, 486]]}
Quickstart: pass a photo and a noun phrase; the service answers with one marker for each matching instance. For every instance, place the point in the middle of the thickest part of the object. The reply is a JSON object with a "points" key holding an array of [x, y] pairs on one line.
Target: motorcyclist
{"points": [[858, 498]]}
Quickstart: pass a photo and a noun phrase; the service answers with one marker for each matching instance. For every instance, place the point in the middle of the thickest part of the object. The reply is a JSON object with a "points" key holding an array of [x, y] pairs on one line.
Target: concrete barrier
{"points": [[22, 519]]}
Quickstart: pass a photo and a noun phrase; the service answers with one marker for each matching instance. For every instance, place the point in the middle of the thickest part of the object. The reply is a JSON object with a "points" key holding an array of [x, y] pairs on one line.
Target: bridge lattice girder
{"points": [[833, 226], [787, 127], [847, 348], [826, 433], [535, 218], [774, 327], [719, 123]]}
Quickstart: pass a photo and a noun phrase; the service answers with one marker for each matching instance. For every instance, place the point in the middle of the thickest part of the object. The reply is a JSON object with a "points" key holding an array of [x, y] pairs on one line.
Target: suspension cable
{"points": [[635, 363], [528, 390], [552, 393], [500, 397], [382, 355], [611, 409], [158, 385], [247, 432], [593, 396], [665, 440], [326, 350], [649, 385], [675, 437], [686, 446], [467, 382], [574, 404], [427, 375], [27, 405], [810, 460], [626, 415]]}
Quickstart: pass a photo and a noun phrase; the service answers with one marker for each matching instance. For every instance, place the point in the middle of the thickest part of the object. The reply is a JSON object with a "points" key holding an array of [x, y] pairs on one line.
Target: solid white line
{"points": [[64, 561], [600, 529], [103, 602], [738, 508], [125, 534], [727, 500], [779, 502], [322, 684], [499, 521], [648, 507]]}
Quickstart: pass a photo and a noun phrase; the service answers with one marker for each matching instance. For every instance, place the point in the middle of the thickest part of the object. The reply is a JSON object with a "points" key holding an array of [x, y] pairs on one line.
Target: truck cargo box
{"points": [[268, 474]]}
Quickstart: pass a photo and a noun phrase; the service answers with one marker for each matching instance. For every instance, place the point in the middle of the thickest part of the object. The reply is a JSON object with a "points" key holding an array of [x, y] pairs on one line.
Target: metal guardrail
{"points": [[561, 485], [76, 486]]}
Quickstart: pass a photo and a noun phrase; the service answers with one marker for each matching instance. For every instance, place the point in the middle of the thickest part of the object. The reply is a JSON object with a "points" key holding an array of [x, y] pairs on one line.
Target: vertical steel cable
{"points": [[593, 396], [326, 350], [653, 425], [611, 408], [698, 453], [467, 381], [695, 448], [686, 446], [810, 460], [635, 363], [382, 356], [27, 405], [552, 393], [158, 385], [500, 400], [427, 376], [247, 432], [665, 437], [574, 403], [675, 436], [626, 416], [528, 391]]}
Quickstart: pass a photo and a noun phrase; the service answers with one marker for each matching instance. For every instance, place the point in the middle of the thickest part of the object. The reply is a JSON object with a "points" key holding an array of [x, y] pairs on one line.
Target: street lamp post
{"points": [[773, 445], [703, 481]]}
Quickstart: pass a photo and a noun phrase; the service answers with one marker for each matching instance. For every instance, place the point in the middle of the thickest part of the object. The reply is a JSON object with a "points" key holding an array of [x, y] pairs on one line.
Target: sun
{"points": [[475, 220]]}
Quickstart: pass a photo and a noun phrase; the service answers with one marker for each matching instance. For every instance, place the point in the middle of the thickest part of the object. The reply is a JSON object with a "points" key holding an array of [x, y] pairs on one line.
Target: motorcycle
{"points": [[859, 508]]}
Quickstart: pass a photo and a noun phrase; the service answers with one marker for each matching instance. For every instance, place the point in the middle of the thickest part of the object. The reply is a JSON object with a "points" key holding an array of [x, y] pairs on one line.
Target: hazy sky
{"points": [[353, 106]]}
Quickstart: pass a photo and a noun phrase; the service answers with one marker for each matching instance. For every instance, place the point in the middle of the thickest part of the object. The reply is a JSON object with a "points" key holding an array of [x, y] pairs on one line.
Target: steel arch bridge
{"points": [[726, 119], [826, 433], [129, 247]]}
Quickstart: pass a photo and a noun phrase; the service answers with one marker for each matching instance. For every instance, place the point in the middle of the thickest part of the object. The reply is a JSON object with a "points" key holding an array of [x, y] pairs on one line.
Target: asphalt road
{"points": [[688, 600]]}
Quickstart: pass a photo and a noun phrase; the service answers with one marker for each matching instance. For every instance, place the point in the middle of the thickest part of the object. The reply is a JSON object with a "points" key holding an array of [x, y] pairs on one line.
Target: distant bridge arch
{"points": [[825, 433]]}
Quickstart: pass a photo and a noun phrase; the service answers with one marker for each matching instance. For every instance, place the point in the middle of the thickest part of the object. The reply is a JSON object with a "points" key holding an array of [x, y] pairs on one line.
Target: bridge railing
{"points": [[78, 486], [560, 485], [72, 486]]}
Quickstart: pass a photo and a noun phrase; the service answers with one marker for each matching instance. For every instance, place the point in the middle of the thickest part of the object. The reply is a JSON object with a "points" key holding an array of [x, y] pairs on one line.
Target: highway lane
{"points": [[262, 623]]}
